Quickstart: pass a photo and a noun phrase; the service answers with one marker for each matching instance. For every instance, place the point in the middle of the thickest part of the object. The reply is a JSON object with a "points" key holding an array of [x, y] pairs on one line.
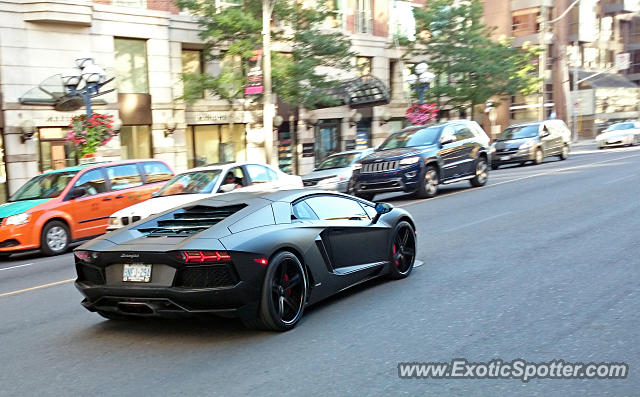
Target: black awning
{"points": [[605, 80], [364, 91]]}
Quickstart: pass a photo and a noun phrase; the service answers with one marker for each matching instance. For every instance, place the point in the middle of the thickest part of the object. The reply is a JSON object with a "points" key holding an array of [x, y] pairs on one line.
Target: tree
{"points": [[470, 68], [303, 76]]}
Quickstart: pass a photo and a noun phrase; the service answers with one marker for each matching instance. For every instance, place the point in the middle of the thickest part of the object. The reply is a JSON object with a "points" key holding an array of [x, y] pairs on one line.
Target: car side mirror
{"points": [[77, 192], [446, 140], [381, 209], [544, 133]]}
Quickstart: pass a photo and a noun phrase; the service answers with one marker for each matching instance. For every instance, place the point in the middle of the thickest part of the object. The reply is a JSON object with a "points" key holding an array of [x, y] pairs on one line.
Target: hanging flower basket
{"points": [[89, 133], [421, 114]]}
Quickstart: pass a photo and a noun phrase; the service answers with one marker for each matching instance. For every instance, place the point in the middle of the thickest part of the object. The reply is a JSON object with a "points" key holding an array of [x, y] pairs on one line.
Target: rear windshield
{"points": [[198, 182], [44, 186]]}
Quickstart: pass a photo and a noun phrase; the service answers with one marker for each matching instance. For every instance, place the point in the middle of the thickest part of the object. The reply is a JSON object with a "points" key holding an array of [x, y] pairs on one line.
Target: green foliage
{"points": [[297, 76], [471, 68]]}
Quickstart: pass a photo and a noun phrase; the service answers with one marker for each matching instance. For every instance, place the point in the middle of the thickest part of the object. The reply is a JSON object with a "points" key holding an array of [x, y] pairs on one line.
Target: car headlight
{"points": [[19, 219], [356, 166], [334, 179], [114, 221], [410, 160], [492, 149]]}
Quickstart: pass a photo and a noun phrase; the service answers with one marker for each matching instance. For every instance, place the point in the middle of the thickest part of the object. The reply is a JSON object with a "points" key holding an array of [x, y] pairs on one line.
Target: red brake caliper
{"points": [[286, 279], [394, 255]]}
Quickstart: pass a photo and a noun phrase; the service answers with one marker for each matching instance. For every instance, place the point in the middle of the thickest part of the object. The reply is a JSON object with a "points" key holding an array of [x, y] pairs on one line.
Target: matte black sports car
{"points": [[260, 256]]}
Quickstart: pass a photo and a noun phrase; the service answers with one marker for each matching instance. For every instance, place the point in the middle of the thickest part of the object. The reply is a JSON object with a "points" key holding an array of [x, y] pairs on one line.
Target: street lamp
{"points": [[420, 80], [87, 72]]}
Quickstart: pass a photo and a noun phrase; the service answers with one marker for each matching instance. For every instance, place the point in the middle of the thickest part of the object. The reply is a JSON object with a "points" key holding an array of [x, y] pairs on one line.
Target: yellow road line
{"points": [[517, 179], [37, 287]]}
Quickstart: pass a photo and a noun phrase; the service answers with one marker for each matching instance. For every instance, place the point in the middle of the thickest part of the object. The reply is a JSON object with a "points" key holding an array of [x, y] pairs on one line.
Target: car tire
{"points": [[481, 173], [402, 254], [564, 153], [494, 166], [55, 238], [539, 157], [4, 256], [284, 294], [428, 187], [366, 196]]}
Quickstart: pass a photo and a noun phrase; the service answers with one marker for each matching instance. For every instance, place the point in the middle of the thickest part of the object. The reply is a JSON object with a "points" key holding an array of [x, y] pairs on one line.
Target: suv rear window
{"points": [[156, 172]]}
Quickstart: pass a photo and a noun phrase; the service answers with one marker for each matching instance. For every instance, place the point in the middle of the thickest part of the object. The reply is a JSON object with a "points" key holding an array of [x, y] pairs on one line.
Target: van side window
{"points": [[93, 182], [124, 176], [156, 172]]}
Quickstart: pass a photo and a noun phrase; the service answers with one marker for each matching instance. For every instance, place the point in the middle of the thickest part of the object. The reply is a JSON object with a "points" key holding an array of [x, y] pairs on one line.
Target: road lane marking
{"points": [[37, 287], [477, 222], [620, 179], [17, 266], [516, 180]]}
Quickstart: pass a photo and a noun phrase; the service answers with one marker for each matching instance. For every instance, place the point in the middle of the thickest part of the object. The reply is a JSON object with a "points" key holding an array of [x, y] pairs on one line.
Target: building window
{"points": [[525, 22], [363, 18], [135, 142], [209, 144], [363, 66], [335, 19], [634, 33], [131, 66], [192, 64], [55, 151], [635, 61]]}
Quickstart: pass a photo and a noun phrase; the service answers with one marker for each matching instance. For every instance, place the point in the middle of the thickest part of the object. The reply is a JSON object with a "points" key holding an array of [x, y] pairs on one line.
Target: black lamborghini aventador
{"points": [[260, 256]]}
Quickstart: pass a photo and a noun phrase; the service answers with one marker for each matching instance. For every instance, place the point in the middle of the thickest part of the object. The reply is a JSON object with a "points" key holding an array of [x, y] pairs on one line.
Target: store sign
{"points": [[214, 117], [583, 102], [308, 150], [254, 75]]}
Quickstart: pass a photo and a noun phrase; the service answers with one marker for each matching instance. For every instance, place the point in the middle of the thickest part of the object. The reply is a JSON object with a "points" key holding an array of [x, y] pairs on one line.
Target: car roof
{"points": [[273, 195], [224, 166], [97, 164]]}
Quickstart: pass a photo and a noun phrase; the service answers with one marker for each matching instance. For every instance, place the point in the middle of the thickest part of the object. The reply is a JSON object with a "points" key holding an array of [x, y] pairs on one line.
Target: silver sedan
{"points": [[335, 171]]}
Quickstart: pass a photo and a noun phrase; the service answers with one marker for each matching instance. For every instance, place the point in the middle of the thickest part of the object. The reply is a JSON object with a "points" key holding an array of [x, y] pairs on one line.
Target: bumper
{"points": [[626, 140], [341, 186], [498, 158], [404, 180], [237, 301], [18, 238]]}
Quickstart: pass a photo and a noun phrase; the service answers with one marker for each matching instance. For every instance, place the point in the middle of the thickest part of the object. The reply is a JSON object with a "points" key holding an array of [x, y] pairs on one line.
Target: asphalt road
{"points": [[540, 264]]}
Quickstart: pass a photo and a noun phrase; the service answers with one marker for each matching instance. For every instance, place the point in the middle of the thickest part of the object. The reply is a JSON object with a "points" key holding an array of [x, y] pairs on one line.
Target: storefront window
{"points": [[363, 134], [209, 144], [327, 139], [55, 151], [135, 142]]}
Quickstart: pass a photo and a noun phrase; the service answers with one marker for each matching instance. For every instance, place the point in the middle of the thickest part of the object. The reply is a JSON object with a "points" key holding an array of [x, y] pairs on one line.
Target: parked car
{"points": [[58, 207], [627, 133], [335, 171], [259, 256], [533, 142], [418, 159], [198, 183]]}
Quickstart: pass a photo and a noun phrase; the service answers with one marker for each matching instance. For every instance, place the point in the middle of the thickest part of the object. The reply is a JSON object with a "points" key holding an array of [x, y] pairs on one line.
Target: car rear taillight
{"points": [[205, 256], [86, 256]]}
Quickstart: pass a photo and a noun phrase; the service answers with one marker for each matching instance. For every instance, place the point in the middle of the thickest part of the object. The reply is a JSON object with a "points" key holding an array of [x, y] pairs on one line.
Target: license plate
{"points": [[136, 272], [505, 158]]}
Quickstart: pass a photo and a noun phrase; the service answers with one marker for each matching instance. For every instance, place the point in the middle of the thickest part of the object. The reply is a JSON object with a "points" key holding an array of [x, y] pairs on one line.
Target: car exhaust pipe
{"points": [[139, 308]]}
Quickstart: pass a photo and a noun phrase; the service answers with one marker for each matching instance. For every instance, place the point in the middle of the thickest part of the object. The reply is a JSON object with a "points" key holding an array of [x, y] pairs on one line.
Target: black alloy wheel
{"points": [[284, 294], [403, 251], [482, 173]]}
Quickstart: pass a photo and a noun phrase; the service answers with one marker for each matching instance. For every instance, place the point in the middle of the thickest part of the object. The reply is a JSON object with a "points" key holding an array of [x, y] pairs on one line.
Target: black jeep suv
{"points": [[418, 159]]}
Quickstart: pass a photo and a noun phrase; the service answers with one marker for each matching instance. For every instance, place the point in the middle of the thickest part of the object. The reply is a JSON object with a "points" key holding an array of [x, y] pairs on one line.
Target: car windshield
{"points": [[48, 185], [421, 137], [525, 131], [621, 126], [198, 182], [338, 161]]}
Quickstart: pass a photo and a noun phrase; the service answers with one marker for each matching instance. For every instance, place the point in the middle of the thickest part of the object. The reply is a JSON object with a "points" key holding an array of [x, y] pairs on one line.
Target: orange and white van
{"points": [[55, 208]]}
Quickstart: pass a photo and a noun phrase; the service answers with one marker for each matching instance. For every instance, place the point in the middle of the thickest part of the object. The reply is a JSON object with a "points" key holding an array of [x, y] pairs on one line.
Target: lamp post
{"points": [[420, 80], [87, 72]]}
